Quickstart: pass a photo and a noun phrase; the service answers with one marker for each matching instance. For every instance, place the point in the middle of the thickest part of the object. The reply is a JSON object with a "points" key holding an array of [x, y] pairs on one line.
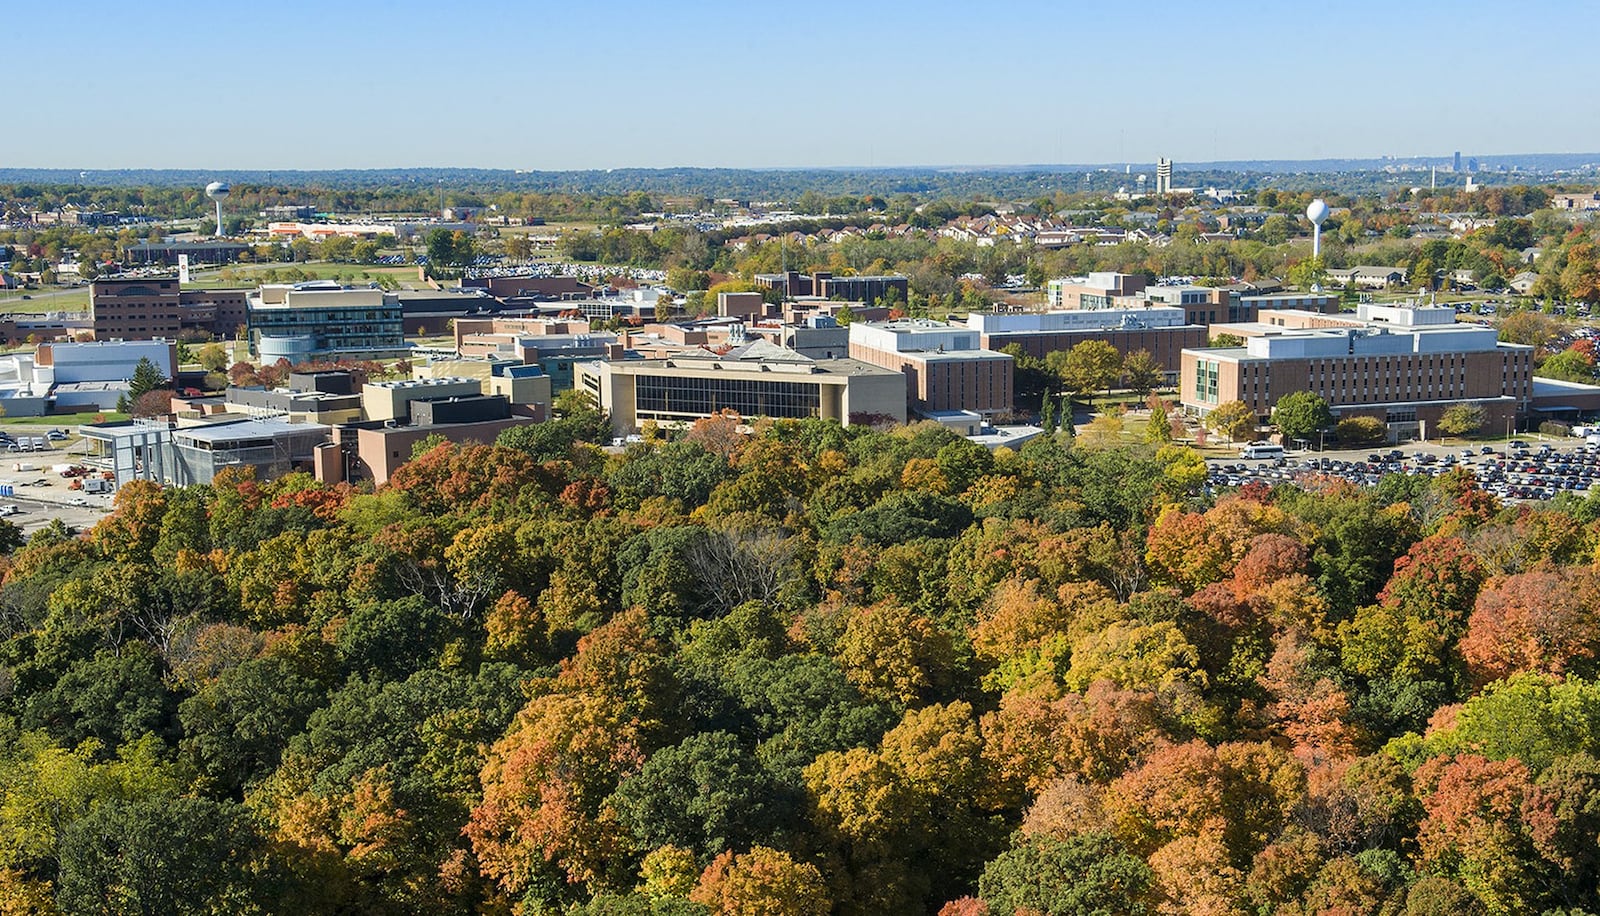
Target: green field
{"points": [[65, 420], [40, 301], [247, 276]]}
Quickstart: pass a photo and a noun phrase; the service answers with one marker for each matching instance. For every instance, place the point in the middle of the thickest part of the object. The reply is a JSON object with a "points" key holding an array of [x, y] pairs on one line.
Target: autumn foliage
{"points": [[788, 667]]}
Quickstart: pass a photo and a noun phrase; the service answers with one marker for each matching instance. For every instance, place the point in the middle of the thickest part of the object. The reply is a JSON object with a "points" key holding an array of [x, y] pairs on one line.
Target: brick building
{"points": [[1160, 331], [1403, 365], [944, 365], [147, 308]]}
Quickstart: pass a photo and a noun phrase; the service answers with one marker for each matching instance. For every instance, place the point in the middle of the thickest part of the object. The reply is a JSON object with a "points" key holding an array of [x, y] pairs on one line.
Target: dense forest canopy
{"points": [[810, 670]]}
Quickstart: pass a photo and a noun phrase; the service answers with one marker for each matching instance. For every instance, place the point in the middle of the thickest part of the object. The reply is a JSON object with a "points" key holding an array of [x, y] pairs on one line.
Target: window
{"points": [[700, 397], [1205, 381]]}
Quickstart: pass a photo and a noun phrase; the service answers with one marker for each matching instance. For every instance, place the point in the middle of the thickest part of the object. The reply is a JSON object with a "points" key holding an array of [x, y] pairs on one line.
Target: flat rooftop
{"points": [[248, 429]]}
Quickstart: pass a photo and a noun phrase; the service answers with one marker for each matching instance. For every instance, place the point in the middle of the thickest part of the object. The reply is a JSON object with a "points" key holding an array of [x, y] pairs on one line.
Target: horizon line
{"points": [[1192, 165]]}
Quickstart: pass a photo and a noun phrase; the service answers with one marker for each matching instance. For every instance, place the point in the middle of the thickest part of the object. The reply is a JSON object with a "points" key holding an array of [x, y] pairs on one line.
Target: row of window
{"points": [[1366, 380], [701, 397]]}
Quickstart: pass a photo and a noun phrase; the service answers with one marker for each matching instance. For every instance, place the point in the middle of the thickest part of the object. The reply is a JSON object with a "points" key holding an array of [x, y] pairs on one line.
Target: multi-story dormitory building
{"points": [[1403, 365]]}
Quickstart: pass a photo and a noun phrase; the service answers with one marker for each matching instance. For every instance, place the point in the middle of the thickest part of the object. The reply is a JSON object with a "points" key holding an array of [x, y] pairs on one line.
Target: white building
{"points": [[94, 375], [1160, 316]]}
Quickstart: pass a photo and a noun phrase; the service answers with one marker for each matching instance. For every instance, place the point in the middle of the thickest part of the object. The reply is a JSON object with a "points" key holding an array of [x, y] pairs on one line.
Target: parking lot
{"points": [[29, 460], [1520, 470]]}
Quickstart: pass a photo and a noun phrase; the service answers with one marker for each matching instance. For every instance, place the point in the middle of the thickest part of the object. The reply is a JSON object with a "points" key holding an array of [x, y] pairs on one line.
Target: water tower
{"points": [[1317, 211], [217, 191]]}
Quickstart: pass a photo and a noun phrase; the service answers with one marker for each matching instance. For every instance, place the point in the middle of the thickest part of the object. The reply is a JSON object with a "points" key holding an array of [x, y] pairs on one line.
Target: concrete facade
{"points": [[1098, 290], [754, 381], [391, 401], [103, 360]]}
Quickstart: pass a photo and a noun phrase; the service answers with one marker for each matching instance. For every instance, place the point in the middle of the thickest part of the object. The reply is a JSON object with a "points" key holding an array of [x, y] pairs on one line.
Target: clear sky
{"points": [[293, 84]]}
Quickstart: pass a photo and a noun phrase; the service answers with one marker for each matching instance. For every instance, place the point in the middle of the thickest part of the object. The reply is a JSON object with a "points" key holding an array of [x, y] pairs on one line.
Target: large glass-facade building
{"points": [[759, 380], [313, 321], [664, 398]]}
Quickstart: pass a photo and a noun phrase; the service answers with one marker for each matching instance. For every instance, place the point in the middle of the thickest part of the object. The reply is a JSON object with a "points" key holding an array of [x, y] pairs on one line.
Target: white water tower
{"points": [[218, 191], [1317, 211]]}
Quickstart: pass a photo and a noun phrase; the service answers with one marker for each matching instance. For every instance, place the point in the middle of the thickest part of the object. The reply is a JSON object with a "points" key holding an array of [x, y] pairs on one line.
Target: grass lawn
{"points": [[40, 301], [65, 419], [249, 276]]}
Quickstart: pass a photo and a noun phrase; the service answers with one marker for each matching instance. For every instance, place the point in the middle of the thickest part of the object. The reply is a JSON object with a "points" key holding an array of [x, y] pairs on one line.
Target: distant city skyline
{"points": [[555, 86]]}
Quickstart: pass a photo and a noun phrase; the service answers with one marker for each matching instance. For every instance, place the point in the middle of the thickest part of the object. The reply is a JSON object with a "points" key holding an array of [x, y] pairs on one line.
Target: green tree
{"points": [[449, 249], [1358, 431], [1462, 419], [1530, 328], [1089, 366], [1234, 419], [170, 856], [1569, 365], [1301, 413], [146, 377], [1159, 429], [235, 727], [1308, 273], [1142, 372], [1088, 875], [708, 794], [213, 357]]}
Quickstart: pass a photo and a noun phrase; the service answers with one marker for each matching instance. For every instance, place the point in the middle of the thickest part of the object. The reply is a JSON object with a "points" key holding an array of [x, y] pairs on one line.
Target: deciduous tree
{"points": [[1233, 419], [1299, 414]]}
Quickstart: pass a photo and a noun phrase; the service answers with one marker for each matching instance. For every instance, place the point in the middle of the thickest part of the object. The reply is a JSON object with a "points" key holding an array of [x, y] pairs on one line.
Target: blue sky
{"points": [[618, 83]]}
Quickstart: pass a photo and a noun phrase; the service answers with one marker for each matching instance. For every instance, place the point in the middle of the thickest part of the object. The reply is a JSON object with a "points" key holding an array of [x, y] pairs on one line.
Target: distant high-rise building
{"points": [[1456, 165], [1163, 177], [1472, 165]]}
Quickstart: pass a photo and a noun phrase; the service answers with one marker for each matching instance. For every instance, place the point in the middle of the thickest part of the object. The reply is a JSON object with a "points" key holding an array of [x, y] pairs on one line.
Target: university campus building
{"points": [[945, 367], [1404, 365], [149, 308], [759, 379], [1158, 330], [321, 320]]}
